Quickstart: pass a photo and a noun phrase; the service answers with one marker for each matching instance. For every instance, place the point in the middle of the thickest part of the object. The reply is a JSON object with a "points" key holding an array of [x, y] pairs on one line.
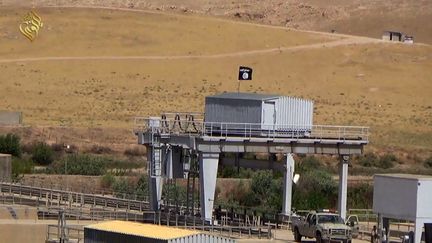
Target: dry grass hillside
{"points": [[357, 17], [99, 68]]}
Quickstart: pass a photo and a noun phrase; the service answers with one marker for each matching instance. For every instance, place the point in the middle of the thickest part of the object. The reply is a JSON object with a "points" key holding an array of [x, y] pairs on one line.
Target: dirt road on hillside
{"points": [[343, 42]]}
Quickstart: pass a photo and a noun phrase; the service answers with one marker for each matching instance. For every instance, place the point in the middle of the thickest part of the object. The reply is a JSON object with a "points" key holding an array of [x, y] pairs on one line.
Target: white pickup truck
{"points": [[325, 227]]}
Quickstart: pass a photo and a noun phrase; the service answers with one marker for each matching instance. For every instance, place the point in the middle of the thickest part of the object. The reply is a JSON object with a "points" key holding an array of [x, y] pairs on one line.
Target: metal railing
{"points": [[11, 193], [191, 116], [78, 189], [166, 127], [213, 227], [37, 196], [73, 233]]}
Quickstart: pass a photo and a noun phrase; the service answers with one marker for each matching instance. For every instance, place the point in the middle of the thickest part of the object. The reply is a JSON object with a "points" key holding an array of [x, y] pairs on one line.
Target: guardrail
{"points": [[11, 193], [178, 126], [21, 194], [86, 190]]}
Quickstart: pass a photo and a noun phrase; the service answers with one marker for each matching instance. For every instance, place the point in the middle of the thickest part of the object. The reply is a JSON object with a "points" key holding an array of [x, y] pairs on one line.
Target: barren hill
{"points": [[357, 17]]}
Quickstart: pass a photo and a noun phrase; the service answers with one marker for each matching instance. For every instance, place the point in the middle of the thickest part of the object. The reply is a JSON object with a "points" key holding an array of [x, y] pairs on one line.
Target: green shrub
{"points": [[315, 189], [107, 180], [79, 164], [428, 162], [42, 154], [175, 194], [266, 191], [238, 193], [10, 144], [368, 160], [122, 188], [387, 161], [20, 167], [142, 188], [308, 163], [360, 196], [228, 172], [261, 183], [246, 173]]}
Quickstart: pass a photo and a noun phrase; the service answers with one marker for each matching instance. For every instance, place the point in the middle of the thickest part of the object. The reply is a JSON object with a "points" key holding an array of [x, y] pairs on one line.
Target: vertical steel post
{"points": [[288, 179], [155, 181], [343, 185]]}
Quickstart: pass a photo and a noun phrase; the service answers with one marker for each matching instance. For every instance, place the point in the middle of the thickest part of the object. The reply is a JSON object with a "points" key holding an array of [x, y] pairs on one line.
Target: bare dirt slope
{"points": [[358, 17], [99, 68]]}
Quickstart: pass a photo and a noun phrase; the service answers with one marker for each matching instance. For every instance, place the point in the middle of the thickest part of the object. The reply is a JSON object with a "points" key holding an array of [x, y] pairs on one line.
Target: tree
{"points": [[266, 191], [316, 189], [10, 144], [261, 183]]}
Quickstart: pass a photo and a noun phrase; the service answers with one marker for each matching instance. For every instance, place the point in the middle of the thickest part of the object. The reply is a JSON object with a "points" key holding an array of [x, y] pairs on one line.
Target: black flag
{"points": [[245, 73]]}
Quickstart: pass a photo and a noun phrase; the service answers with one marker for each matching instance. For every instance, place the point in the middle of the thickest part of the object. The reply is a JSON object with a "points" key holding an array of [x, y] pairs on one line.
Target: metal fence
{"points": [[214, 227], [38, 196], [72, 233]]}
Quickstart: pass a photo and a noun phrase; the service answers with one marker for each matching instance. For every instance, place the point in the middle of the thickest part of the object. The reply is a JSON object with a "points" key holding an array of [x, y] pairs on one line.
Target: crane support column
{"points": [[154, 158], [208, 167], [288, 180], [343, 186]]}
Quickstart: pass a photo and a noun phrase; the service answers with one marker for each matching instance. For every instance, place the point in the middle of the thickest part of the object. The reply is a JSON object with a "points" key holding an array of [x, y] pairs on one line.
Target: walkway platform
{"points": [[167, 136]]}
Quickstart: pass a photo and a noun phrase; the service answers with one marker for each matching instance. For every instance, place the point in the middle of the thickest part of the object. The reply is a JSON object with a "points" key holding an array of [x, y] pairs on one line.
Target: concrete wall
{"points": [[10, 118], [21, 212], [23, 231], [5, 167], [386, 36]]}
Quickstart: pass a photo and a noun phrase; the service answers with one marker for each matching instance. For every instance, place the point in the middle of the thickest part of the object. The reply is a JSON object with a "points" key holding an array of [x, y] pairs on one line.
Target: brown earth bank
{"points": [[81, 139], [26, 231], [92, 184], [121, 144], [23, 231], [357, 17]]}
